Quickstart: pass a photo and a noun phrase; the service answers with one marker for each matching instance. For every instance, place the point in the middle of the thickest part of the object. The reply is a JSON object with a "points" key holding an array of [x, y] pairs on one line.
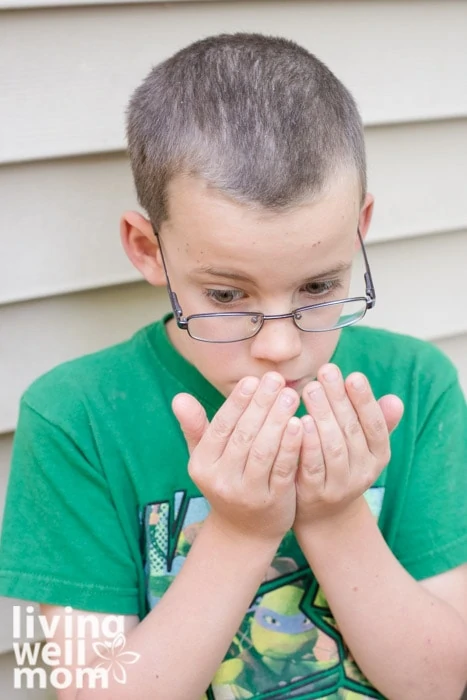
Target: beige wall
{"points": [[67, 70]]}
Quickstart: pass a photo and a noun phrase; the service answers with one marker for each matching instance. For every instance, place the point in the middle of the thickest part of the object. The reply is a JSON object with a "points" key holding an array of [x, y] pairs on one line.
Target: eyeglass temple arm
{"points": [[369, 286], [177, 309]]}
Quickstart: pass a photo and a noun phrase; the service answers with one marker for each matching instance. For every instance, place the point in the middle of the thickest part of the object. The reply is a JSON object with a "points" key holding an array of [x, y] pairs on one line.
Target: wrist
{"points": [[333, 521], [239, 543]]}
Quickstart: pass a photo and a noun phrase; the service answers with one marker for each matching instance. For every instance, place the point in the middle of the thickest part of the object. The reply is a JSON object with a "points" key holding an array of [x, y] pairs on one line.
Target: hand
{"points": [[245, 461], [345, 443]]}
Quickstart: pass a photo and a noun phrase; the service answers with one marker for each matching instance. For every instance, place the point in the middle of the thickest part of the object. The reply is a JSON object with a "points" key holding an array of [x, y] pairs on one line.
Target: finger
{"points": [[244, 434], [192, 418], [285, 465], [312, 469], [370, 415], [334, 448], [266, 445], [224, 422], [333, 383], [393, 410]]}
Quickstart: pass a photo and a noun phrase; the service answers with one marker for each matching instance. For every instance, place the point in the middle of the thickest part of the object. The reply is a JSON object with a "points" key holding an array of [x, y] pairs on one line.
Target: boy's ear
{"points": [[366, 212], [142, 247]]}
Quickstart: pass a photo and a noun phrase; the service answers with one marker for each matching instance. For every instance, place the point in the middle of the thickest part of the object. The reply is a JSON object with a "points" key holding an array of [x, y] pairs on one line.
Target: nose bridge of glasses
{"points": [[279, 340], [276, 317], [305, 312]]}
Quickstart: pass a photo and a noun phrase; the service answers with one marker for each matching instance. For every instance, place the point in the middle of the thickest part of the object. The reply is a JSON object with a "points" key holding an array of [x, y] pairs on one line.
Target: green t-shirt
{"points": [[100, 510]]}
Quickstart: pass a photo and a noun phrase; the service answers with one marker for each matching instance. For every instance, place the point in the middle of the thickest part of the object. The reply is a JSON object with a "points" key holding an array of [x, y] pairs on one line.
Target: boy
{"points": [[258, 546]]}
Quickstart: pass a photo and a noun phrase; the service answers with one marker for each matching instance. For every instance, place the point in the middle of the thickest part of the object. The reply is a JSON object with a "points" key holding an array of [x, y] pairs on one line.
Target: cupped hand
{"points": [[245, 461], [345, 443]]}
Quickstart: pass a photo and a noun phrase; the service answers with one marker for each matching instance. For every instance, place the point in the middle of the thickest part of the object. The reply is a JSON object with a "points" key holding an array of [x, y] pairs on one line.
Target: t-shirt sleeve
{"points": [[62, 542], [432, 533]]}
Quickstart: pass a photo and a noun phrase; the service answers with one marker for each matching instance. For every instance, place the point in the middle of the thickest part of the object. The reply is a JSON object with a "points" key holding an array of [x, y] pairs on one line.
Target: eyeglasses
{"points": [[234, 326]]}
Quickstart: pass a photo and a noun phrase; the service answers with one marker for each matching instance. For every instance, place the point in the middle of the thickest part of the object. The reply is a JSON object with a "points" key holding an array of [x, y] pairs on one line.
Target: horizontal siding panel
{"points": [[74, 68], [420, 285], [65, 213], [6, 442], [66, 217], [418, 174], [420, 290], [27, 4]]}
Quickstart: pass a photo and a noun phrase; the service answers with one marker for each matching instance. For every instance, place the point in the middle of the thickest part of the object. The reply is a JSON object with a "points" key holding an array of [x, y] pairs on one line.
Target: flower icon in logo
{"points": [[116, 658]]}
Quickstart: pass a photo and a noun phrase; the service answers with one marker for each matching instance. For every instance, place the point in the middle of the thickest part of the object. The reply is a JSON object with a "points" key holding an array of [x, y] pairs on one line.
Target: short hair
{"points": [[259, 118]]}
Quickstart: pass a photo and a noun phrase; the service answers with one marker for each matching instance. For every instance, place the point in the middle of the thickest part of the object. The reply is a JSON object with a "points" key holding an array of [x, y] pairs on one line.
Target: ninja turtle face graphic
{"points": [[279, 628]]}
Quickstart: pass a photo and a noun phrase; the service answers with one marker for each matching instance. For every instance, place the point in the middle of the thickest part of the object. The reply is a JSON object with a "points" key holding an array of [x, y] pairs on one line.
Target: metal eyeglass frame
{"points": [[183, 322]]}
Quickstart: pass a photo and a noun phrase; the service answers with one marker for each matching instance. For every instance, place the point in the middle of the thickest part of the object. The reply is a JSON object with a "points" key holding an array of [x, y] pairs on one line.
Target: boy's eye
{"points": [[223, 296], [231, 296], [318, 288]]}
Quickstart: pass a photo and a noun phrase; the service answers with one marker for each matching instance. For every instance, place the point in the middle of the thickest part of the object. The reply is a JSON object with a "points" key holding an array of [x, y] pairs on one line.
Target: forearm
{"points": [[184, 639], [410, 644]]}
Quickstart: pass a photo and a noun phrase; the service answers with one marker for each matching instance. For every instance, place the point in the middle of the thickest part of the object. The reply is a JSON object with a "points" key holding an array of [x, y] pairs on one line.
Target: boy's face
{"points": [[261, 261]]}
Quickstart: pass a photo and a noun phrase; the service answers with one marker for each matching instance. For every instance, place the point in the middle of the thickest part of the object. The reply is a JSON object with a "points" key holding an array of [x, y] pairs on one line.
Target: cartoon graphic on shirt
{"points": [[288, 645]]}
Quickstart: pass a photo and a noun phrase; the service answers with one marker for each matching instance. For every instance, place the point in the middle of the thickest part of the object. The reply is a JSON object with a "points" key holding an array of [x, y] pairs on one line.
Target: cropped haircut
{"points": [[259, 118]]}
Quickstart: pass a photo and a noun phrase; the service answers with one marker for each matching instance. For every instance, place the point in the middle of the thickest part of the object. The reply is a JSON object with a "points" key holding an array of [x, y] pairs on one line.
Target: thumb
{"points": [[192, 418], [392, 408]]}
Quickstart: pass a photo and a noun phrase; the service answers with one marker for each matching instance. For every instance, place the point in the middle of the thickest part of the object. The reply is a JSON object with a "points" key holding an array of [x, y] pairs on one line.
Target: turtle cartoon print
{"points": [[288, 645]]}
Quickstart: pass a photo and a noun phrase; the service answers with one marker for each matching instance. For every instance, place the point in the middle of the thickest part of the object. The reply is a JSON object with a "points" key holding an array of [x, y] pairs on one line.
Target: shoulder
{"points": [[390, 358], [88, 378]]}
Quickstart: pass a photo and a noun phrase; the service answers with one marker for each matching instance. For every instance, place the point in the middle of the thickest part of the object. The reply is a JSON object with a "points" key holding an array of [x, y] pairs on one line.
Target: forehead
{"points": [[207, 227]]}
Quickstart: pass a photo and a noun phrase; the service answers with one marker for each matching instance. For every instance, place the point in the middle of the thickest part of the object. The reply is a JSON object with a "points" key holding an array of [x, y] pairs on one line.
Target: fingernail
{"points": [[271, 383], [359, 382], [286, 399], [315, 390], [293, 426], [308, 424], [331, 374], [248, 386]]}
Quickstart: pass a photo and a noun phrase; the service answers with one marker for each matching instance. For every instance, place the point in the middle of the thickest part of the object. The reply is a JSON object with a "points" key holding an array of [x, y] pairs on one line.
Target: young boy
{"points": [[225, 479]]}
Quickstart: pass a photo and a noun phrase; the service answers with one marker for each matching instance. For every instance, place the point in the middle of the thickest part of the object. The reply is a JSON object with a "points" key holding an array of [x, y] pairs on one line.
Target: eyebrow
{"points": [[233, 275]]}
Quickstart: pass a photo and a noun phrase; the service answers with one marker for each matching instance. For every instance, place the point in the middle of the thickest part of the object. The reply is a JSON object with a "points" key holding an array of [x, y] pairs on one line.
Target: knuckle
{"points": [[283, 469], [242, 436], [261, 454], [336, 451], [324, 417], [220, 427], [377, 428], [352, 428], [289, 447], [315, 468]]}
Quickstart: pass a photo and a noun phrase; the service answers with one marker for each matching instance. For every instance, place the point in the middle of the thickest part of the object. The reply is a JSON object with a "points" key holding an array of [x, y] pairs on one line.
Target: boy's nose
{"points": [[278, 340]]}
